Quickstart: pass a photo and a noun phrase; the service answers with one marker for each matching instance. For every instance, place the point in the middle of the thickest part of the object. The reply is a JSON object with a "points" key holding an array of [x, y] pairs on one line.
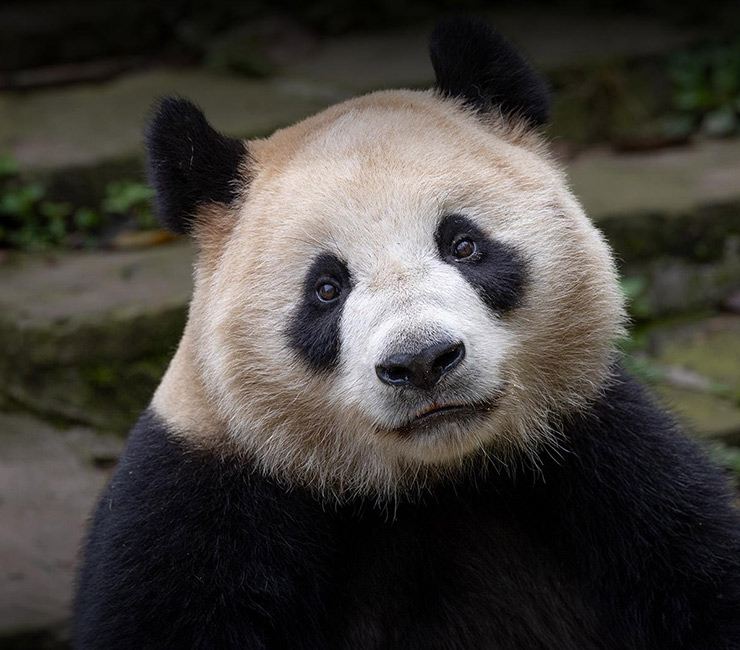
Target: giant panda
{"points": [[396, 418]]}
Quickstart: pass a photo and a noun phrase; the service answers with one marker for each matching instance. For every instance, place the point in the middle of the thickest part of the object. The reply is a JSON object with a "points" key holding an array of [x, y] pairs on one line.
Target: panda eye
{"points": [[464, 249], [327, 291]]}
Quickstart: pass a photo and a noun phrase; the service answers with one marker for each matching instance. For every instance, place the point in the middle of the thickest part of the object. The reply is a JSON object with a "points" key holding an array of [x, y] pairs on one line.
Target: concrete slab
{"points": [[709, 347], [669, 181], [702, 414], [48, 484], [89, 124], [68, 289]]}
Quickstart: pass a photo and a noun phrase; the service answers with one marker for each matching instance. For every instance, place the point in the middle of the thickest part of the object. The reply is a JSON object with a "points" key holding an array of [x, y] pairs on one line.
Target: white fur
{"points": [[369, 180]]}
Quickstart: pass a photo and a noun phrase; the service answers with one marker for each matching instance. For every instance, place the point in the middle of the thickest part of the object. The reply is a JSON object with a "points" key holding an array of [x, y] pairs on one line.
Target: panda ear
{"points": [[474, 62], [190, 164]]}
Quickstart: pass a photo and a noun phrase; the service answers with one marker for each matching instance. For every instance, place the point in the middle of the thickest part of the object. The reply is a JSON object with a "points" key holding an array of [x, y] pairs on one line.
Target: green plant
{"points": [[706, 86], [8, 166], [29, 220], [728, 457], [128, 197], [634, 289]]}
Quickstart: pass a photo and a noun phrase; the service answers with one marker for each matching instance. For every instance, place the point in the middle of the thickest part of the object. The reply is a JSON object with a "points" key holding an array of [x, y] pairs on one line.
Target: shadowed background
{"points": [[93, 297]]}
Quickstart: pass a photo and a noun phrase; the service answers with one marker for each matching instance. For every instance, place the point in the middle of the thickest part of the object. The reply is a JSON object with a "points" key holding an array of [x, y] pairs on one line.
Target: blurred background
{"points": [[646, 117]]}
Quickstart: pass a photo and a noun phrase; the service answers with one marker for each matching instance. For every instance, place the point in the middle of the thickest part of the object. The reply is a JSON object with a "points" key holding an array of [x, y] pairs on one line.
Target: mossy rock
{"points": [[85, 338], [703, 235], [101, 376]]}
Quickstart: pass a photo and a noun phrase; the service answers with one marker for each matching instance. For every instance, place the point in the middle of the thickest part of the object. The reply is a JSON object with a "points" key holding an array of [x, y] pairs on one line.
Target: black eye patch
{"points": [[313, 330], [496, 271]]}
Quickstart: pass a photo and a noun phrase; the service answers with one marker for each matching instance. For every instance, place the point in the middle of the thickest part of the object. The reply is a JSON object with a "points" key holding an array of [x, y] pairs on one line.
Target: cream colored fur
{"points": [[368, 180]]}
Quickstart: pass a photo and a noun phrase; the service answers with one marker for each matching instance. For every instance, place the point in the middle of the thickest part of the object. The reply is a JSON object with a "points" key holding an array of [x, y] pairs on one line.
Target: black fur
{"points": [[313, 331], [627, 540], [474, 62], [497, 271], [190, 164]]}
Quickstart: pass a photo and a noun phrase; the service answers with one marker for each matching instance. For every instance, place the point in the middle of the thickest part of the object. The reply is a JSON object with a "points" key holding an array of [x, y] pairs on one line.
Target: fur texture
{"points": [[190, 164], [399, 164], [476, 64], [626, 541], [276, 495]]}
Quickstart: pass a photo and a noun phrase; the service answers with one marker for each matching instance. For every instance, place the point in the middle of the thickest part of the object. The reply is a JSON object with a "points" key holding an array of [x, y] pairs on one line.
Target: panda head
{"points": [[391, 291]]}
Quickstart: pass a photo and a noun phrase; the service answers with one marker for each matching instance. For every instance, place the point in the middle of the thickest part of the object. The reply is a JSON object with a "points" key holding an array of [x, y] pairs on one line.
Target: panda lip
{"points": [[439, 411], [435, 408]]}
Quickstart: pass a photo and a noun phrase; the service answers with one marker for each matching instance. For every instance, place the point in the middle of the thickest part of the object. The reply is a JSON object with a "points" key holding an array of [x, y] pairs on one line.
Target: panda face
{"points": [[411, 328], [405, 287], [396, 290], [413, 338]]}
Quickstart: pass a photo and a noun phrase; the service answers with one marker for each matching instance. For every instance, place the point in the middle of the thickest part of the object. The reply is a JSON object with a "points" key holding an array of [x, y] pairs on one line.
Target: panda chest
{"points": [[454, 577]]}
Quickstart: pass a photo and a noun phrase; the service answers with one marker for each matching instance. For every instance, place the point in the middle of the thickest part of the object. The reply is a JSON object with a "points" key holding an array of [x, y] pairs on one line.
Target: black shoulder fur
{"points": [[190, 164], [628, 540], [474, 62]]}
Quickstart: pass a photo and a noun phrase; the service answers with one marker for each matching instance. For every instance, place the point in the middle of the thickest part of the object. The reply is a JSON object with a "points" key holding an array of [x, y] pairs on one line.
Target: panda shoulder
{"points": [[166, 493]]}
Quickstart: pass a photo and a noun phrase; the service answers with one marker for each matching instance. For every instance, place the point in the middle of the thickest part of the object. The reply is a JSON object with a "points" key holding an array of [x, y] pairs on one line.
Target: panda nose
{"points": [[423, 369]]}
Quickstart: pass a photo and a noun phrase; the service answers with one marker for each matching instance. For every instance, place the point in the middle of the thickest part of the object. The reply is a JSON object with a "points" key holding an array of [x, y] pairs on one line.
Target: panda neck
{"points": [[182, 401]]}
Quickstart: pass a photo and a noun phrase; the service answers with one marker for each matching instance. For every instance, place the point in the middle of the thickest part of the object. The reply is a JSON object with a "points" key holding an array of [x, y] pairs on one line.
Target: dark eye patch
{"points": [[313, 330], [496, 271]]}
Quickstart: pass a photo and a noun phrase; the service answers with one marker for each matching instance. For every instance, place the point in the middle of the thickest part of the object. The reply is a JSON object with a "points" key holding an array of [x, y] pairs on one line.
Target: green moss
{"points": [[699, 237], [606, 100], [727, 457], [702, 413], [713, 353], [108, 395], [101, 375]]}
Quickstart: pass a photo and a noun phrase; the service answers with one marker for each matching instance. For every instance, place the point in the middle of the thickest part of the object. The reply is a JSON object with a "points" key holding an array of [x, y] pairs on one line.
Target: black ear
{"points": [[190, 164], [474, 62]]}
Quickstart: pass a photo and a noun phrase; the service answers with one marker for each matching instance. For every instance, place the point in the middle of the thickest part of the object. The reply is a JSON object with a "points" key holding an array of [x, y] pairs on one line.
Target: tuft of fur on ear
{"points": [[190, 164], [474, 62]]}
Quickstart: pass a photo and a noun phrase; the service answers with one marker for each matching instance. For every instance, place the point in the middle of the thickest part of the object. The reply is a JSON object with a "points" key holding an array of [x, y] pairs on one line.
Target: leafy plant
{"points": [[727, 457], [8, 166], [634, 289], [128, 197], [29, 220]]}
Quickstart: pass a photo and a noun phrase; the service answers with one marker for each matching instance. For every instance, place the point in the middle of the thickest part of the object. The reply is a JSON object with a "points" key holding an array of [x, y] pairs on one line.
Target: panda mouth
{"points": [[438, 412]]}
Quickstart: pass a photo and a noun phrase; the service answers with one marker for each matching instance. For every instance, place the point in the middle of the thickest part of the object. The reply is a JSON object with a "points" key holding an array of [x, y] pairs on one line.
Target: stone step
{"points": [[49, 480], [86, 337], [673, 219], [81, 137], [552, 38], [695, 366]]}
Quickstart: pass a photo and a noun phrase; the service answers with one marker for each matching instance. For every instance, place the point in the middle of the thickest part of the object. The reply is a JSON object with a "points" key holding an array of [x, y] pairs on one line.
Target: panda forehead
{"points": [[392, 132], [389, 168], [372, 223]]}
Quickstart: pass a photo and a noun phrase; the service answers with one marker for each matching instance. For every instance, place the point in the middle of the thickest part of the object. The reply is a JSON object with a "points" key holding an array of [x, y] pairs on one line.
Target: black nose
{"points": [[423, 369]]}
